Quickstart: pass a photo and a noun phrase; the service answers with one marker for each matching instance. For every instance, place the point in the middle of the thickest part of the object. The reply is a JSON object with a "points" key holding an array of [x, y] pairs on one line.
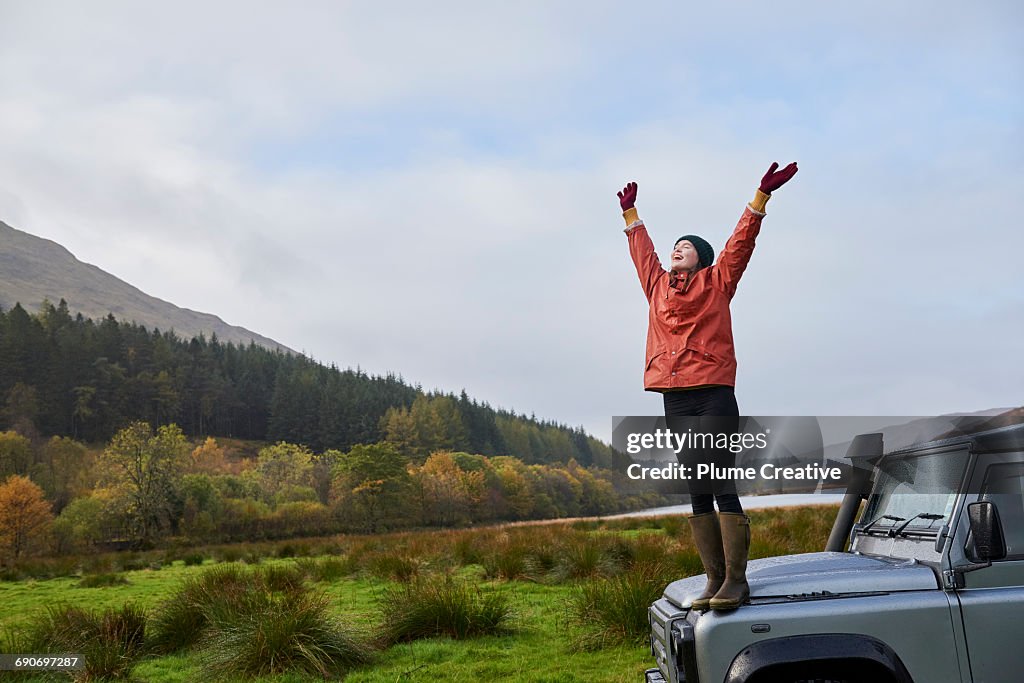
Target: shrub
{"points": [[614, 610], [229, 554], [110, 642], [293, 550], [98, 564], [40, 568], [102, 580], [441, 606], [193, 559], [268, 632], [133, 562]]}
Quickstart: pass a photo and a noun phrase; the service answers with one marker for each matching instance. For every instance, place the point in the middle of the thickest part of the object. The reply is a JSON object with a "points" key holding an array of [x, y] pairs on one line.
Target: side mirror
{"points": [[986, 531]]}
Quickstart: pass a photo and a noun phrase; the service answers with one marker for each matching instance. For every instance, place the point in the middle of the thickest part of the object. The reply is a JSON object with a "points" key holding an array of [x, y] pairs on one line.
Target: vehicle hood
{"points": [[797, 575]]}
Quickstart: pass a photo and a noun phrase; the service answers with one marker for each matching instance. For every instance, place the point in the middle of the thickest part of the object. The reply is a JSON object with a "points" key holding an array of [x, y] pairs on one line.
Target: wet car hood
{"points": [[793, 575]]}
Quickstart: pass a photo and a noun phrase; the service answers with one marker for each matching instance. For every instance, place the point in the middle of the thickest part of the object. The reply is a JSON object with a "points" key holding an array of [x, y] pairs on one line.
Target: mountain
{"points": [[33, 269]]}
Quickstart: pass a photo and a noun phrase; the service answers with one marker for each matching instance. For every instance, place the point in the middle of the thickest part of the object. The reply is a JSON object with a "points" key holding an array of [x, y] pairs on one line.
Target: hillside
{"points": [[33, 269]]}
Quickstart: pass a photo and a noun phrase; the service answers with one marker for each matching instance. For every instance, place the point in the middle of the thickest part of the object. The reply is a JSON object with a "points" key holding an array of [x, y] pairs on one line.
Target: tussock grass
{"points": [[99, 564], [673, 525], [101, 580], [251, 622], [506, 563], [395, 565], [295, 549], [326, 569], [133, 562], [40, 568], [651, 549], [466, 550], [229, 554], [110, 641], [269, 632], [193, 559], [280, 578], [581, 558], [441, 606], [179, 621], [613, 610]]}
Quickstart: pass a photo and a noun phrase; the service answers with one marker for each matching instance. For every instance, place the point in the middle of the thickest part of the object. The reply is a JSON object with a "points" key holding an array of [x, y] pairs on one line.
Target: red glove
{"points": [[627, 198], [773, 179]]}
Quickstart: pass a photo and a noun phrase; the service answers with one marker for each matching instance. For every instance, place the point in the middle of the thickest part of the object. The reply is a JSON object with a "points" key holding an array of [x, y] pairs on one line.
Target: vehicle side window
{"points": [[1004, 486]]}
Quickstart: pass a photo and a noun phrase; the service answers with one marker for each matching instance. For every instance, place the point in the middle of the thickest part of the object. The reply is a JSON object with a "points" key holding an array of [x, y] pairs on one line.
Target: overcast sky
{"points": [[429, 188]]}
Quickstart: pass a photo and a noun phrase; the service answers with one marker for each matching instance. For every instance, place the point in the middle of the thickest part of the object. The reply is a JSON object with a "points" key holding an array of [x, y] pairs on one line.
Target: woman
{"points": [[692, 363]]}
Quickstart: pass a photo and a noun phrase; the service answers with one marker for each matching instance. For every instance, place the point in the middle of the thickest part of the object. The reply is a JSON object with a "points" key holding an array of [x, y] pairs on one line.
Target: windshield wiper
{"points": [[921, 515], [876, 520]]}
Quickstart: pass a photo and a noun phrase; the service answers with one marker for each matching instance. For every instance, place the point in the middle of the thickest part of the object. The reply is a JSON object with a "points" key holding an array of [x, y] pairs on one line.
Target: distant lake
{"points": [[776, 500]]}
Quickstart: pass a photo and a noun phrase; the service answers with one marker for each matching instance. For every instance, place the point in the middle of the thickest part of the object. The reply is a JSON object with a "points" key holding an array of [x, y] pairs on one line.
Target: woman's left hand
{"points": [[773, 179]]}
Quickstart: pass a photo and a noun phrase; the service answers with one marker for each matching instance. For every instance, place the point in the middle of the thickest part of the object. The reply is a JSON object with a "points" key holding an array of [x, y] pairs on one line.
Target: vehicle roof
{"points": [[1008, 438]]}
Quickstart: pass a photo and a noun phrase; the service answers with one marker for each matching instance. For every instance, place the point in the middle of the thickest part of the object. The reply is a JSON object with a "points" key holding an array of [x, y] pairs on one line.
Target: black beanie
{"points": [[705, 253]]}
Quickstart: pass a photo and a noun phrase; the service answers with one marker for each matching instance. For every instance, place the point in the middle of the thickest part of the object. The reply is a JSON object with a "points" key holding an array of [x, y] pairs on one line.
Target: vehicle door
{"points": [[992, 599]]}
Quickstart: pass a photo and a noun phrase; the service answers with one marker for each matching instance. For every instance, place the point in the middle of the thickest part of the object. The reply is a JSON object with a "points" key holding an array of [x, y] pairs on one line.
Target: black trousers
{"points": [[719, 413]]}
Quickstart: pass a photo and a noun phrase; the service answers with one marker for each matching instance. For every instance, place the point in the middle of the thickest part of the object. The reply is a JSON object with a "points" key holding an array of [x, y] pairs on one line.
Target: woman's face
{"points": [[684, 257]]}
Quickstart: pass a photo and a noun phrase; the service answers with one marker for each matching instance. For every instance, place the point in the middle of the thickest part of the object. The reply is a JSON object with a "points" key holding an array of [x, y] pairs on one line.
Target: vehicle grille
{"points": [[672, 643]]}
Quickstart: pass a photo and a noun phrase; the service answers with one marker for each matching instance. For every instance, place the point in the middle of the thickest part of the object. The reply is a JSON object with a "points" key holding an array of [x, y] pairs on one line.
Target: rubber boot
{"points": [[736, 543], [707, 536]]}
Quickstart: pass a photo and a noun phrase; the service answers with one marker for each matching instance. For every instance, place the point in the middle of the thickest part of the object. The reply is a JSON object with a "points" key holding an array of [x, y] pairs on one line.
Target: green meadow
{"points": [[550, 602]]}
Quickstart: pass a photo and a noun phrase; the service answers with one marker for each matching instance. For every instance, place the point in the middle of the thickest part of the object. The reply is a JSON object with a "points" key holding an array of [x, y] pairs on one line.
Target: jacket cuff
{"points": [[757, 205], [630, 215]]}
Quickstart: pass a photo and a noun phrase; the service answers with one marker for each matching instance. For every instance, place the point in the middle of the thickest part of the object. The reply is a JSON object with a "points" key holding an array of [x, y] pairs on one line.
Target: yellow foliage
{"points": [[25, 517]]}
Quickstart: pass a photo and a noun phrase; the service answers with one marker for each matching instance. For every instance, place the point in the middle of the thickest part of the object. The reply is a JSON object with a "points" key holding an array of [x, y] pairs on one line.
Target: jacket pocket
{"points": [[702, 354], [653, 358]]}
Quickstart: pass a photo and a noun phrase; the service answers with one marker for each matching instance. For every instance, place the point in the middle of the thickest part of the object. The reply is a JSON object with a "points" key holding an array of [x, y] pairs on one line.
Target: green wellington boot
{"points": [[736, 543], [707, 536]]}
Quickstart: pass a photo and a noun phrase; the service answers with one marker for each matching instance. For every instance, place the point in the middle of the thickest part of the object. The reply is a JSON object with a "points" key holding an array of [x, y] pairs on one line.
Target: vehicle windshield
{"points": [[915, 492]]}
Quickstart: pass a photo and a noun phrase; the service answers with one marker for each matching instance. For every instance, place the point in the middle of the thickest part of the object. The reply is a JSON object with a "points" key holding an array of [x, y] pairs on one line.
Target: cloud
{"points": [[432, 191]]}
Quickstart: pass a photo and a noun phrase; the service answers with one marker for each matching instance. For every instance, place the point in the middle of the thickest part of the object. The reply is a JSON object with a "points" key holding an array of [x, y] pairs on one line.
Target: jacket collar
{"points": [[682, 278]]}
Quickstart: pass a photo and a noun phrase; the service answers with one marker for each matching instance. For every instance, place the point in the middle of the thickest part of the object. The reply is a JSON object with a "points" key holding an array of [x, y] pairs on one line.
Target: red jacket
{"points": [[689, 331]]}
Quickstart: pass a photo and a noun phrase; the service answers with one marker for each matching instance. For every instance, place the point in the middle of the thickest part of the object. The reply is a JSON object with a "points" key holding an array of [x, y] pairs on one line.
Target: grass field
{"points": [[539, 643]]}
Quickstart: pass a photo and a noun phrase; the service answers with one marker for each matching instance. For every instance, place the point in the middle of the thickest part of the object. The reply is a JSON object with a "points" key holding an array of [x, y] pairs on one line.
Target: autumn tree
{"points": [[209, 458], [22, 408], [63, 469], [81, 524], [144, 470], [201, 505], [448, 493], [286, 472], [431, 424], [515, 493], [25, 517], [371, 486], [15, 454]]}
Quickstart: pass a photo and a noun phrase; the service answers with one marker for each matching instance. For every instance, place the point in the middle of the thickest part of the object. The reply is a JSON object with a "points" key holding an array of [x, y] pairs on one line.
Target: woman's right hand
{"points": [[627, 198]]}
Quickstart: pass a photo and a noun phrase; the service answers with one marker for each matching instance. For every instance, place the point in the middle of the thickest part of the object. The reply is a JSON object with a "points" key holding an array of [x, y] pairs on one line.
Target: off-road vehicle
{"points": [[926, 586]]}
